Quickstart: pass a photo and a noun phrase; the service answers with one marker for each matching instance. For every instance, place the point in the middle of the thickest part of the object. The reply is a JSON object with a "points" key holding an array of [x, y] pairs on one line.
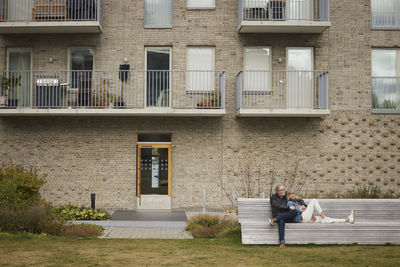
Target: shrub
{"points": [[369, 191], [72, 212], [207, 226], [34, 218], [18, 185], [83, 230]]}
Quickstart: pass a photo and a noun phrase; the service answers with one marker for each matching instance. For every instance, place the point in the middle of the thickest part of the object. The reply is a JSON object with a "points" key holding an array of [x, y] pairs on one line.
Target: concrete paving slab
{"points": [[140, 233], [148, 215], [138, 224]]}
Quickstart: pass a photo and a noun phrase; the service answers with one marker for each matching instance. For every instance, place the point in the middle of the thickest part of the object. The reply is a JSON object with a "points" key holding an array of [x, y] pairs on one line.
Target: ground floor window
{"points": [[386, 80]]}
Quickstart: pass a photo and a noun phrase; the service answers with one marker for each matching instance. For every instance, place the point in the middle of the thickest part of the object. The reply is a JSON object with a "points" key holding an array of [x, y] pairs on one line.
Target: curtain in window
{"points": [[257, 65], [201, 75], [158, 13]]}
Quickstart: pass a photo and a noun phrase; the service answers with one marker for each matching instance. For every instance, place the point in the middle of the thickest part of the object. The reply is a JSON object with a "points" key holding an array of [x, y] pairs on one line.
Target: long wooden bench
{"points": [[377, 222]]}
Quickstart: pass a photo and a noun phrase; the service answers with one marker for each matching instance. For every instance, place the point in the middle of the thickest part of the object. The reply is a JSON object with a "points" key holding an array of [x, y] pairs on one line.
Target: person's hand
{"points": [[313, 218], [303, 208], [292, 207]]}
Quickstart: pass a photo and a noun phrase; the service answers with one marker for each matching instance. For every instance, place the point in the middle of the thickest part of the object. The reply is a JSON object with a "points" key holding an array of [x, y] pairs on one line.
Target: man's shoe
{"points": [[352, 217], [282, 245], [271, 222]]}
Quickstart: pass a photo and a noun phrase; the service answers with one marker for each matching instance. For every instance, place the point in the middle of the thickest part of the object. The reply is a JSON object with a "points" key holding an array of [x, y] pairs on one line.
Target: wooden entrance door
{"points": [[154, 169]]}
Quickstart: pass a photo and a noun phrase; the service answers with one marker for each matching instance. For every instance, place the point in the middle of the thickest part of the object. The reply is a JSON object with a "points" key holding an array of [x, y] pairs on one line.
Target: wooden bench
{"points": [[49, 11], [377, 222]]}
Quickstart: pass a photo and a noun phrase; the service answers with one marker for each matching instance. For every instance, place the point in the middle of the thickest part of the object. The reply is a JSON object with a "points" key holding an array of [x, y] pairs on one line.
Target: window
{"points": [[200, 66], [386, 79], [200, 4], [257, 67], [158, 13], [81, 66], [385, 14]]}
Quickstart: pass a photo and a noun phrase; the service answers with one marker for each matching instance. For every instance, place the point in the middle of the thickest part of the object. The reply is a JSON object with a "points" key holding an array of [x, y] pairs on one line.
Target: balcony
{"points": [[283, 16], [385, 14], [282, 93], [115, 93], [50, 16], [385, 95]]}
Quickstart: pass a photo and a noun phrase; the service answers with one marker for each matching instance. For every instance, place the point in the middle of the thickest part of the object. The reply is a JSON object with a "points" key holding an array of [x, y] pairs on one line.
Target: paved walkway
{"points": [[147, 224], [140, 233]]}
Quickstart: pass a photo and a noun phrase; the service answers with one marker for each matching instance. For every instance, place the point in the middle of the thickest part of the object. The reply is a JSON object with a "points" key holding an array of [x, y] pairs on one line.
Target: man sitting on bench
{"points": [[281, 212]]}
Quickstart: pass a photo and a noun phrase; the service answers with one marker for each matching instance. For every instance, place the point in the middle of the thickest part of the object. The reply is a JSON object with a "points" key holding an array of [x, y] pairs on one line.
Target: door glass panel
{"points": [[158, 76], [299, 9], [19, 65], [154, 171], [81, 67], [299, 78]]}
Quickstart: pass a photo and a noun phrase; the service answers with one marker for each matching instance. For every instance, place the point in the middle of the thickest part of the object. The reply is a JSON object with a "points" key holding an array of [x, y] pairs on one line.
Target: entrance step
{"points": [[153, 202]]}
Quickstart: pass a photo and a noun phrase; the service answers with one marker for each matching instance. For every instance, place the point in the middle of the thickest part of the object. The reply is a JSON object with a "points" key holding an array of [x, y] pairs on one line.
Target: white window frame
{"points": [[212, 69], [155, 48], [249, 90], [199, 7], [30, 49], [167, 26], [397, 74]]}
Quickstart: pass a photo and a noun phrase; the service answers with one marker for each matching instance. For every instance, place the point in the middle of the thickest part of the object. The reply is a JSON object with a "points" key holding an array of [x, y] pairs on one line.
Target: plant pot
{"points": [[12, 103], [119, 104], [3, 100]]}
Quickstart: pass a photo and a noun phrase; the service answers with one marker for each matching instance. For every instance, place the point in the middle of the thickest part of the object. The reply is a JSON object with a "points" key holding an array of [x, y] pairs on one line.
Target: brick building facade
{"points": [[92, 153]]}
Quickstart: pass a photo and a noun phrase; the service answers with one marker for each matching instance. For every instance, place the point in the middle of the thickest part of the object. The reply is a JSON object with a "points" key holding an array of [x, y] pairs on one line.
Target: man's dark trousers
{"points": [[282, 219]]}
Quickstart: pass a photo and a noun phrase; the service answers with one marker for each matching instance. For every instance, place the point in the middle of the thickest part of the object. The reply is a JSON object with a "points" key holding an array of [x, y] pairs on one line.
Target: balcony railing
{"points": [[134, 89], [385, 14], [296, 91], [385, 95], [283, 10], [50, 10]]}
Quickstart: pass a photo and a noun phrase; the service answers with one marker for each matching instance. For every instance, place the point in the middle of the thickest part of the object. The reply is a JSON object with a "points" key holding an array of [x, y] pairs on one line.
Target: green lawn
{"points": [[29, 250]]}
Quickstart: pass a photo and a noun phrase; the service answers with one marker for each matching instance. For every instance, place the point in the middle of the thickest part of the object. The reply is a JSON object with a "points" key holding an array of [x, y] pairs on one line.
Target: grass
{"points": [[43, 250]]}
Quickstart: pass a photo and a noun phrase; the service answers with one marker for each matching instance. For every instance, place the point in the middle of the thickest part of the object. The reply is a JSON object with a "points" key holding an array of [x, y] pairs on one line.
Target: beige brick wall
{"points": [[95, 154]]}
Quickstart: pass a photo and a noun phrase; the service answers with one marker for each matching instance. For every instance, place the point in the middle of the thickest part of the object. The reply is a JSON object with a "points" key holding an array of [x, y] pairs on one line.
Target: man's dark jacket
{"points": [[278, 205]]}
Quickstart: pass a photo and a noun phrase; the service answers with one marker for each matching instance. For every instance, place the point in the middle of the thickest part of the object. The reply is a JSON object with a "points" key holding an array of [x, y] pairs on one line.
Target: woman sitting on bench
{"points": [[306, 211]]}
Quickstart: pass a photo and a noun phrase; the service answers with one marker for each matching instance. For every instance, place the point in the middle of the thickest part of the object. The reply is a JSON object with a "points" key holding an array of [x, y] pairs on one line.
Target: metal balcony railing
{"points": [[49, 10], [385, 14], [282, 89], [385, 95], [113, 89], [281, 10]]}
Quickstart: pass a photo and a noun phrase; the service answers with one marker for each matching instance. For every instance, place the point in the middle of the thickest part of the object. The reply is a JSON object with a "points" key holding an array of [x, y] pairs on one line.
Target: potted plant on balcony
{"points": [[212, 101], [102, 96], [8, 86]]}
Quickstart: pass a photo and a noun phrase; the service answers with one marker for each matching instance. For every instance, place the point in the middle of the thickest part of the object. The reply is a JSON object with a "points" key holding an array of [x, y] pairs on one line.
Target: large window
{"points": [[200, 66], [257, 69], [386, 79], [81, 67], [200, 4], [158, 13], [385, 14]]}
